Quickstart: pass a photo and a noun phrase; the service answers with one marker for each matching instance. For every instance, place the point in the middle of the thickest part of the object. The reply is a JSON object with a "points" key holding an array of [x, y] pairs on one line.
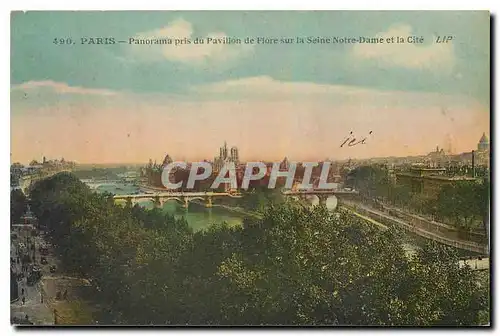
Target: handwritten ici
{"points": [[351, 141]]}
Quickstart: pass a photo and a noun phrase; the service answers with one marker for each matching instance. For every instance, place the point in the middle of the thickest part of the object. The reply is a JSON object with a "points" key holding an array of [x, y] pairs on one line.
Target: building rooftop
{"points": [[427, 169], [439, 177], [483, 139]]}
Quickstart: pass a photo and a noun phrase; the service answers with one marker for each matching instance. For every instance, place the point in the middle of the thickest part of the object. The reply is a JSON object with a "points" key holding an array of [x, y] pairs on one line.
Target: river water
{"points": [[199, 217]]}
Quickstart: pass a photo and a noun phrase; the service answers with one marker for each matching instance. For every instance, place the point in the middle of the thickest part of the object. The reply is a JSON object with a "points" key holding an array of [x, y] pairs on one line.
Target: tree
{"points": [[464, 203], [370, 181], [400, 195], [422, 203], [294, 266], [300, 266], [483, 200], [18, 205]]}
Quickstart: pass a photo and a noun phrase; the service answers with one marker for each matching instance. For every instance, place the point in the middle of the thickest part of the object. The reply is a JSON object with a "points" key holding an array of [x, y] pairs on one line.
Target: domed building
{"points": [[484, 144], [482, 155]]}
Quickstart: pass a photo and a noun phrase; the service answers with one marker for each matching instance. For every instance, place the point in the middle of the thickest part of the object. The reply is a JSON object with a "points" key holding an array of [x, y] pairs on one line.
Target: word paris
{"points": [[253, 171]]}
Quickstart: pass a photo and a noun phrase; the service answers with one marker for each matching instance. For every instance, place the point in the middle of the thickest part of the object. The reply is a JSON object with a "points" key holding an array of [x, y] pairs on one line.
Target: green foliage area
{"points": [[294, 266], [18, 204], [257, 199], [464, 204], [370, 181]]}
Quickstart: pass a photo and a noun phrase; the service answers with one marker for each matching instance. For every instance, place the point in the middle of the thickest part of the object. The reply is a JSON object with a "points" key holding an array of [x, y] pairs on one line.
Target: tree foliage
{"points": [[370, 181], [294, 266], [464, 203], [18, 204]]}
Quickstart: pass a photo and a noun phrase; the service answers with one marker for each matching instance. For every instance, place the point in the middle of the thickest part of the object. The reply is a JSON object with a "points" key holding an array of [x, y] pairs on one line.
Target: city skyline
{"points": [[127, 103], [157, 160]]}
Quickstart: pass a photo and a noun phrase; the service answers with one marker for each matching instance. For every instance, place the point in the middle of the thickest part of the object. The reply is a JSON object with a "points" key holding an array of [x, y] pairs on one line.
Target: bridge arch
{"points": [[98, 185], [312, 199], [330, 200], [121, 201], [134, 200], [145, 199], [195, 198], [166, 199]]}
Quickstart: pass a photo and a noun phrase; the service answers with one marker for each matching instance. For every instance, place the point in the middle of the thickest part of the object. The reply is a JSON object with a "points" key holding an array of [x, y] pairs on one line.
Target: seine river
{"points": [[199, 217]]}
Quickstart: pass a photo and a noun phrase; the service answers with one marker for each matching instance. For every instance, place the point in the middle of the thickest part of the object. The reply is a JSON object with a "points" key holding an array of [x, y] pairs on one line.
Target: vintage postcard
{"points": [[250, 168]]}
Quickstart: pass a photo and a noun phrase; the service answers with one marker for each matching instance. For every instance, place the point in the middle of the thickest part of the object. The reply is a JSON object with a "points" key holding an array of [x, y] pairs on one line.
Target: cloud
{"points": [[61, 88], [429, 55], [193, 54], [266, 118], [261, 88], [266, 88]]}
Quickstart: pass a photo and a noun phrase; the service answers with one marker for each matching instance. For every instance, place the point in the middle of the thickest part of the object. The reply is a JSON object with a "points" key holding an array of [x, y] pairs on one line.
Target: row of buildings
{"points": [[425, 173], [439, 168], [438, 158], [152, 172], [480, 157], [18, 170]]}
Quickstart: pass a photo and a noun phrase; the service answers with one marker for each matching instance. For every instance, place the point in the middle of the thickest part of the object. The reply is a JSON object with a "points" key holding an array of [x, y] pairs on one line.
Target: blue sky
{"points": [[85, 80]]}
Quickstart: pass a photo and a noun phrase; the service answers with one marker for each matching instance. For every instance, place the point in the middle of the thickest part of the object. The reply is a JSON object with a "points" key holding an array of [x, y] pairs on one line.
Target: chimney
{"points": [[473, 164]]}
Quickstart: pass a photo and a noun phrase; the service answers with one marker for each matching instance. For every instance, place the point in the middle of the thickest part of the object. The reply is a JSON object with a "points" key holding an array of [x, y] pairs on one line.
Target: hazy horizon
{"points": [[106, 104], [159, 160]]}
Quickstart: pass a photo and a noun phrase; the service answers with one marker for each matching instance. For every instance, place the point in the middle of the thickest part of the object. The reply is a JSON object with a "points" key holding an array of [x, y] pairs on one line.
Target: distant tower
{"points": [[44, 160], [484, 144], [167, 160], [225, 151], [234, 155], [284, 165]]}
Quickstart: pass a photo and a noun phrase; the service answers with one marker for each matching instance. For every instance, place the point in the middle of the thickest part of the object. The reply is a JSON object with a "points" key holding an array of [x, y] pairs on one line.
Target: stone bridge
{"points": [[94, 184], [159, 199], [322, 194]]}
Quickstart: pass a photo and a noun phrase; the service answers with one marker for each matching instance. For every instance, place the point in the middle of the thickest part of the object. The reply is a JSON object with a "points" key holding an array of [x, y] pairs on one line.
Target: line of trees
{"points": [[18, 205], [295, 266], [464, 204]]}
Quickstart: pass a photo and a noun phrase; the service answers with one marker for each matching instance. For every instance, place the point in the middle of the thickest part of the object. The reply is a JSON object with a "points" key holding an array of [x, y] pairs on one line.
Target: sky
{"points": [[127, 103]]}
